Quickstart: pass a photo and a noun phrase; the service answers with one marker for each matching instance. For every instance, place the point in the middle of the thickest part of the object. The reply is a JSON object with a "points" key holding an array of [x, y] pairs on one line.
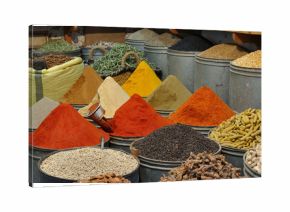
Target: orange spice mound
{"points": [[204, 108]]}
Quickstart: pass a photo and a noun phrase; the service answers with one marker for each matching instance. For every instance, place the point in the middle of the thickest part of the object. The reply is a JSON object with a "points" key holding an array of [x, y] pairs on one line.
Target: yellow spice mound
{"points": [[143, 81]]}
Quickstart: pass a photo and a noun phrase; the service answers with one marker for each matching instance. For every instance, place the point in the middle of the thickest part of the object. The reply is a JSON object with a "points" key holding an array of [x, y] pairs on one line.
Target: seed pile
{"points": [[143, 35], [192, 43], [169, 95], [52, 60], [203, 108], [106, 178], [40, 110], [203, 166], [164, 40], [84, 89], [174, 143], [136, 118], [143, 81], [59, 45], [242, 131], [122, 77], [252, 60], [223, 52], [85, 163], [253, 158], [111, 63]]}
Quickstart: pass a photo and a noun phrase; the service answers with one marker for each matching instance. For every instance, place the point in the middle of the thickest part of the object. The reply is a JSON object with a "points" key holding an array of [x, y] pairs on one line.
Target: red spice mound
{"points": [[65, 128], [203, 108], [136, 118]]}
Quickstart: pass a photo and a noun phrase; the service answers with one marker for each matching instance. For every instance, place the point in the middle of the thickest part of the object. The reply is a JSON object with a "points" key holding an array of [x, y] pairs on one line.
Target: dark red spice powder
{"points": [[136, 118], [65, 128]]}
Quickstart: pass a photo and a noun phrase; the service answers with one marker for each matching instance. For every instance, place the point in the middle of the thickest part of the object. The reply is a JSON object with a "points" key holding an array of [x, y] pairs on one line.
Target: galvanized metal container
{"points": [[182, 65], [138, 44], [46, 178], [152, 170], [157, 55], [248, 171], [244, 88], [164, 113], [122, 143], [202, 130], [234, 156], [214, 74]]}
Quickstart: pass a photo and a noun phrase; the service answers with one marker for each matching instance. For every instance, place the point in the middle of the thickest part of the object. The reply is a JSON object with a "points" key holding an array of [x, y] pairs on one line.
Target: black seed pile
{"points": [[192, 43], [174, 143]]}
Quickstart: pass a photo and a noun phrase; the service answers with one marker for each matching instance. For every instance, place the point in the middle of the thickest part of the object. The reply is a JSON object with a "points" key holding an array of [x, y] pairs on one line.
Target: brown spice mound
{"points": [[122, 78], [55, 59], [223, 52], [252, 60], [84, 89], [203, 166], [106, 178]]}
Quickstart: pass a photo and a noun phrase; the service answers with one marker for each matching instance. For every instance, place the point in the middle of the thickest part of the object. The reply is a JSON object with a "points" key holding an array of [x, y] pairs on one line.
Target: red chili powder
{"points": [[65, 128], [203, 108], [136, 118]]}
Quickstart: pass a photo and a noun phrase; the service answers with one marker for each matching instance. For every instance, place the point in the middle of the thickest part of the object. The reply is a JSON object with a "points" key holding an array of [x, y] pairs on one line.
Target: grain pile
{"points": [[40, 110], [55, 59], [253, 158], [85, 163], [169, 95], [142, 35], [242, 131], [84, 89], [105, 178], [203, 166], [174, 143], [223, 52], [252, 60], [164, 40]]}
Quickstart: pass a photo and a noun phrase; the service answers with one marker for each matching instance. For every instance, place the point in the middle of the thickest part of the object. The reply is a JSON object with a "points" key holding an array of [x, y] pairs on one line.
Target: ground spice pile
{"points": [[192, 43], [110, 95], [252, 60], [223, 52], [164, 40], [203, 166], [143, 81], [122, 78], [169, 95], [65, 128], [136, 118], [40, 110], [203, 108], [84, 89], [143, 35], [174, 143]]}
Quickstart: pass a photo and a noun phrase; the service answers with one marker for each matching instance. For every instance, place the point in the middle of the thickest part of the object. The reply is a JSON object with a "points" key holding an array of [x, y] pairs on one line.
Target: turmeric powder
{"points": [[143, 81]]}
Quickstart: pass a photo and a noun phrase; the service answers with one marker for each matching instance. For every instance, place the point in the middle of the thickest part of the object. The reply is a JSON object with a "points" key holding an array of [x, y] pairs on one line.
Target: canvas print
{"points": [[136, 105]]}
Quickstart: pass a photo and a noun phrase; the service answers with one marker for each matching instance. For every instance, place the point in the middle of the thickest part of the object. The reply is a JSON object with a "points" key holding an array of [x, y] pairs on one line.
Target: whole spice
{"points": [[55, 59], [65, 128], [253, 158], [143, 35], [40, 110], [136, 118], [169, 95], [251, 60], [122, 77], [105, 44], [203, 166], [105, 178], [174, 143], [111, 63], [164, 40], [203, 108], [143, 81], [192, 43], [223, 52], [242, 131], [59, 45], [110, 95], [84, 89], [85, 163]]}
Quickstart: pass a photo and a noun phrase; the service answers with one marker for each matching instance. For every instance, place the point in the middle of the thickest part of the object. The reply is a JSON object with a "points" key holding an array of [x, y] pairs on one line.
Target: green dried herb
{"points": [[58, 45]]}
